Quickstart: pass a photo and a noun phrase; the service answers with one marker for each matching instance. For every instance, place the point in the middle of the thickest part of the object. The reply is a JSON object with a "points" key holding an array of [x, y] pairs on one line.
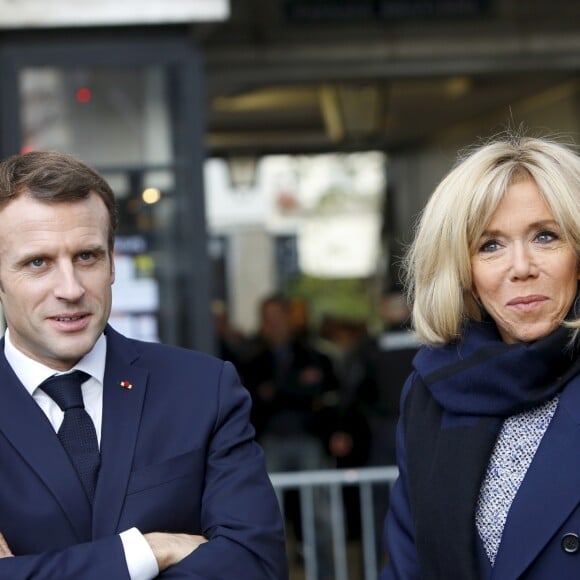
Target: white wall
{"points": [[52, 13]]}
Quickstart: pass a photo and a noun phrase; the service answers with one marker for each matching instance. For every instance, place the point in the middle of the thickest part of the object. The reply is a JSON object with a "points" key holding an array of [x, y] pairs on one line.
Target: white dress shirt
{"points": [[141, 561]]}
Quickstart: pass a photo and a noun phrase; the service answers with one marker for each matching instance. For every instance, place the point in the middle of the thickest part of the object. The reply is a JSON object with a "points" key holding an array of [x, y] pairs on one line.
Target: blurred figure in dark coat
{"points": [[294, 390]]}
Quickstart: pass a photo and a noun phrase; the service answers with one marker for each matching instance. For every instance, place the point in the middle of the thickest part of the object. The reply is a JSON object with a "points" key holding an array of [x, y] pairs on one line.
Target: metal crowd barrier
{"points": [[334, 480]]}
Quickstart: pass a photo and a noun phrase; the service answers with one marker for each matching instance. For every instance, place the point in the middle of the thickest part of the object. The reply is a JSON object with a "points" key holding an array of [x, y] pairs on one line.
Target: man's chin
{"points": [[68, 353]]}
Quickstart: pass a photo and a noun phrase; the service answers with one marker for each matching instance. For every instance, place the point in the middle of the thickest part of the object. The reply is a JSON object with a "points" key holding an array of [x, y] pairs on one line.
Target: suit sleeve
{"points": [[240, 514], [402, 563], [96, 560]]}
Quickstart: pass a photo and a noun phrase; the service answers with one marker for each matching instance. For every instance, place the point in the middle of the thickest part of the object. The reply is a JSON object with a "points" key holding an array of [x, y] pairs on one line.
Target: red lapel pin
{"points": [[126, 385]]}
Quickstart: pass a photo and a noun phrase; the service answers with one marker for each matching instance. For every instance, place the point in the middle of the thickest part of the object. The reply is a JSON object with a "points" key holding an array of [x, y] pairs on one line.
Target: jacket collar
{"points": [[124, 391], [548, 494]]}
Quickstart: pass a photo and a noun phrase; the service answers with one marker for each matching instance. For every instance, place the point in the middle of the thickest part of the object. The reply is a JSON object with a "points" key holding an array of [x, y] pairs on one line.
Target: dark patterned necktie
{"points": [[77, 432]]}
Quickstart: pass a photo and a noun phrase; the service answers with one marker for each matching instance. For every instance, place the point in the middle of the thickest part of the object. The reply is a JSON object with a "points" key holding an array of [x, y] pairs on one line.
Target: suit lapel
{"points": [[122, 408], [24, 424], [549, 492]]}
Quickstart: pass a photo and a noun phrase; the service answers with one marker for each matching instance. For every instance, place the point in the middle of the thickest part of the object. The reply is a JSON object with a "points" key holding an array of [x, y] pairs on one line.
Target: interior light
{"points": [[83, 95], [151, 195]]}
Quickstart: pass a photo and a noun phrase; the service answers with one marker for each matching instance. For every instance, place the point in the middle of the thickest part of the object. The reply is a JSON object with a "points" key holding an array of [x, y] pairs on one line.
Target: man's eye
{"points": [[37, 262], [84, 256]]}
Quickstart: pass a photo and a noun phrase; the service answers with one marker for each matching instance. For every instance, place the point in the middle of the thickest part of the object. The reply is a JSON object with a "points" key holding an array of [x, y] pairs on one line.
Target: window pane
{"points": [[106, 116]]}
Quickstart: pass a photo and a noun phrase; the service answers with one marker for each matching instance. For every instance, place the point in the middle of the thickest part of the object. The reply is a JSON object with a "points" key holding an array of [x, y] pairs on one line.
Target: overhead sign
{"points": [[70, 13]]}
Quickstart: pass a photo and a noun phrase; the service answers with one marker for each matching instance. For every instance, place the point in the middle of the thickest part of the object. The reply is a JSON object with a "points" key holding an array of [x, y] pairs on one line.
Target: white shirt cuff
{"points": [[139, 556]]}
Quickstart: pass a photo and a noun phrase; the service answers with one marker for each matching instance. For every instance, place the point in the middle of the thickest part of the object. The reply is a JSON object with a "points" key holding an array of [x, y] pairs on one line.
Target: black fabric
{"points": [[461, 394], [77, 432], [289, 386]]}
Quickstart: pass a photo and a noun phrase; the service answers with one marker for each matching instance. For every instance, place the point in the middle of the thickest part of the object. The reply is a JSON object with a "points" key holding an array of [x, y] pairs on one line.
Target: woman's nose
{"points": [[523, 263]]}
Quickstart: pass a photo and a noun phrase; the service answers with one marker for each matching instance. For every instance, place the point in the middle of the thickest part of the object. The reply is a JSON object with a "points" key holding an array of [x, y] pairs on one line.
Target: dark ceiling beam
{"points": [[244, 68]]}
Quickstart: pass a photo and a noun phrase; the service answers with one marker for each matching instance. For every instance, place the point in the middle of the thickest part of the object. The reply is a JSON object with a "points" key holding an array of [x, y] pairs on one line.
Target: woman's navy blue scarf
{"points": [[484, 376], [462, 393]]}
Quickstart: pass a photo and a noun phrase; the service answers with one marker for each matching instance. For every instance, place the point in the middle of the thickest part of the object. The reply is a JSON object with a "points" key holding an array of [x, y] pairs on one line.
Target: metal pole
{"points": [[308, 532], [338, 535], [368, 531]]}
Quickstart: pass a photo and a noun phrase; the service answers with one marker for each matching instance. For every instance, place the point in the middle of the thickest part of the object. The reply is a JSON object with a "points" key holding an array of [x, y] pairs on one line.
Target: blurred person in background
{"points": [[231, 343], [292, 385], [397, 346], [373, 370], [294, 391], [489, 483]]}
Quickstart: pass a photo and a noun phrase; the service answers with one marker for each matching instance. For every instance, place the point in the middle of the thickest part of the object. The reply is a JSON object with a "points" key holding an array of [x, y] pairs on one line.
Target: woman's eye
{"points": [[489, 246], [546, 236]]}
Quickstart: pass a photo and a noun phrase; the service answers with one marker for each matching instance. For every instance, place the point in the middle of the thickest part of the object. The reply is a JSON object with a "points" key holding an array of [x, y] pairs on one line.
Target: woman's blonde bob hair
{"points": [[438, 263]]}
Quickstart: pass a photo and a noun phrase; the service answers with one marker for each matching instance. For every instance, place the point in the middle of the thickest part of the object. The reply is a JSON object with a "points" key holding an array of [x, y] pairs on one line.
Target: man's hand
{"points": [[169, 549], [5, 551]]}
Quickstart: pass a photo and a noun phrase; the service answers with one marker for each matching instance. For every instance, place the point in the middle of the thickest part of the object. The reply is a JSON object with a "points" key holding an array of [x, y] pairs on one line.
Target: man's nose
{"points": [[69, 286]]}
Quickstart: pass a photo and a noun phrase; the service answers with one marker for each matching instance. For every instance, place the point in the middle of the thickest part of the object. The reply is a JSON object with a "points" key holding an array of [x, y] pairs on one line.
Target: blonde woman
{"points": [[488, 440]]}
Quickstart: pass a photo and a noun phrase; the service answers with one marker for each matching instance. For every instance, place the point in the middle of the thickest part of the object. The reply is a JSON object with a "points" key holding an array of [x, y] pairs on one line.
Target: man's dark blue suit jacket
{"points": [[177, 455]]}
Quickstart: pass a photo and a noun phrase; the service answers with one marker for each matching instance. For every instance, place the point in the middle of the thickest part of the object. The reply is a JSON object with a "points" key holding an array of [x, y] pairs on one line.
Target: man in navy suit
{"points": [[181, 489]]}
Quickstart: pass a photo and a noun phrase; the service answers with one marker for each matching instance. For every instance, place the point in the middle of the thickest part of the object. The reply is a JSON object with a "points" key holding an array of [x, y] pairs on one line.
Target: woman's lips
{"points": [[527, 302]]}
